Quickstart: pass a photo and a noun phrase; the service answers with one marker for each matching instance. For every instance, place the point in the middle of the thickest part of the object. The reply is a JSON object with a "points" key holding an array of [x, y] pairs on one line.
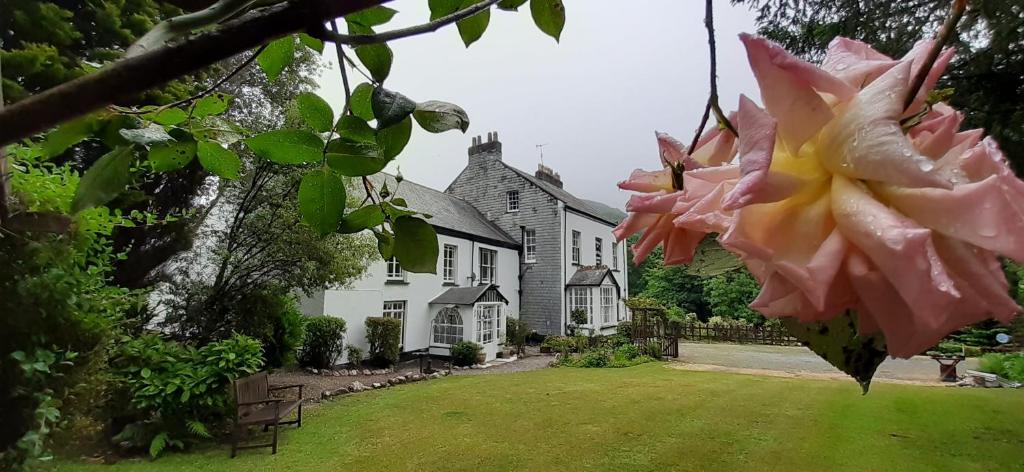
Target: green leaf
{"points": [[390, 107], [838, 342], [311, 42], [172, 156], [211, 105], [218, 128], [510, 5], [376, 57], [364, 218], [392, 140], [415, 245], [439, 8], [322, 200], [549, 16], [146, 372], [168, 117], [385, 244], [372, 16], [222, 162], [360, 101], [158, 444], [354, 159], [437, 117], [152, 134], [472, 28], [104, 180], [355, 129], [278, 55], [315, 111], [287, 146], [69, 134]]}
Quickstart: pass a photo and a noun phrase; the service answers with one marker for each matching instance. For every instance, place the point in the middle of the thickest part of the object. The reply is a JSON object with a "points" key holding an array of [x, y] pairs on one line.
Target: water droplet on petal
{"points": [[925, 164], [987, 231], [841, 66]]}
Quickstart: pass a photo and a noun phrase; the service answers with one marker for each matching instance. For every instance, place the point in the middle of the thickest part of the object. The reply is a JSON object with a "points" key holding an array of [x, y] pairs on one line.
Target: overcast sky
{"points": [[621, 71]]}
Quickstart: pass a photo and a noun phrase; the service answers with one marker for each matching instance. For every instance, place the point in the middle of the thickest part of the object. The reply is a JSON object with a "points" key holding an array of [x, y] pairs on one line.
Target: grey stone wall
{"points": [[484, 183]]}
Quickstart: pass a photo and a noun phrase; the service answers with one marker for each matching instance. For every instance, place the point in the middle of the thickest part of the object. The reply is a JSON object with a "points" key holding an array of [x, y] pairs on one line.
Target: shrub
{"points": [[558, 343], [465, 353], [1008, 366], [355, 355], [273, 318], [578, 317], [323, 341], [177, 393], [516, 331], [627, 352], [385, 337], [652, 349], [594, 359], [625, 329]]}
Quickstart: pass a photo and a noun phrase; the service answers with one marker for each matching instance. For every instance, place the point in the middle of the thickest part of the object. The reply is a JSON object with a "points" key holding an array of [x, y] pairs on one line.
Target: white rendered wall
{"points": [[590, 229]]}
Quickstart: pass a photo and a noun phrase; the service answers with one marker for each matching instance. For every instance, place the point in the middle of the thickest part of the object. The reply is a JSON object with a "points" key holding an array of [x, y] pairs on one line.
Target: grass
{"points": [[648, 417]]}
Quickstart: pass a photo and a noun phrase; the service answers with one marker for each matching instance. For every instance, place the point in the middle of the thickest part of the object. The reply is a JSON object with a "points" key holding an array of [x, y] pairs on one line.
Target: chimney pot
{"points": [[489, 149], [548, 175]]}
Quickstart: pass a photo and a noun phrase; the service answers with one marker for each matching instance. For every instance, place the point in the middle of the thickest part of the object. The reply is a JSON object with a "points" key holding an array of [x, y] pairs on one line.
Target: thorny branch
{"points": [[956, 12], [363, 39]]}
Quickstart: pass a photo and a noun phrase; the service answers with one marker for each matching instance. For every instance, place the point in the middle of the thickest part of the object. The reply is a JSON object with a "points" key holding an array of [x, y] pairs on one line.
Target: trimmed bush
{"points": [[355, 355], [385, 337], [465, 353], [323, 342], [516, 332]]}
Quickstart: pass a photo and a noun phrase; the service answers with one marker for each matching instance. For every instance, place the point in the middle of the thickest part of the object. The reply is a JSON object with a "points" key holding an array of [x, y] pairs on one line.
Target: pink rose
{"points": [[834, 207]]}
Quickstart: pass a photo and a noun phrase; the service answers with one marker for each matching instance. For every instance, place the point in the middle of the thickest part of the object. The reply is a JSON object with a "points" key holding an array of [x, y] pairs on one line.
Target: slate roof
{"points": [[465, 295], [589, 275], [561, 194], [447, 211]]}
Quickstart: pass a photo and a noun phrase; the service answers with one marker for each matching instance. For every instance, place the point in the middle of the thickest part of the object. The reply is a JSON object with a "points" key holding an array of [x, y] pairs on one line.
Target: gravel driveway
{"points": [[797, 359]]}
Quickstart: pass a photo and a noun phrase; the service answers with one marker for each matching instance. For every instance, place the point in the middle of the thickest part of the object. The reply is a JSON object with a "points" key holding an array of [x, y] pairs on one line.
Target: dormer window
{"points": [[512, 200]]}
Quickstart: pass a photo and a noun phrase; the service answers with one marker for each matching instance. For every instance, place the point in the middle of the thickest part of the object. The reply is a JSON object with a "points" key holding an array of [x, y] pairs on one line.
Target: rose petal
{"points": [[757, 144], [854, 62], [648, 181]]}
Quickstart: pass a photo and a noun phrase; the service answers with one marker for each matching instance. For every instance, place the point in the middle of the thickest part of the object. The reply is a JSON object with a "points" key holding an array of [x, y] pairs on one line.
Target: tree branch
{"points": [[173, 27], [126, 78], [712, 105], [956, 11], [363, 39]]}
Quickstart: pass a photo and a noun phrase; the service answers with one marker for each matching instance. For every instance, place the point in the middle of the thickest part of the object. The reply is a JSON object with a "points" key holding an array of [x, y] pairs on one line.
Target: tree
{"points": [[674, 287], [987, 72], [729, 295]]}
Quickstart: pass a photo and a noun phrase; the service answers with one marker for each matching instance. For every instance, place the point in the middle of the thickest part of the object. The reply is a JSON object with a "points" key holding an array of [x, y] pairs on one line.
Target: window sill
{"points": [[396, 282], [449, 284], [511, 211], [530, 262]]}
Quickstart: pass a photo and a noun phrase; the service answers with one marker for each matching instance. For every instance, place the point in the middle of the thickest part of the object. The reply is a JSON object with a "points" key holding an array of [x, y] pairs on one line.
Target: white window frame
{"points": [[576, 246], [530, 245], [395, 309], [393, 270], [447, 327], [491, 276], [581, 297], [512, 201], [487, 319], [615, 255], [598, 251], [607, 304], [449, 263]]}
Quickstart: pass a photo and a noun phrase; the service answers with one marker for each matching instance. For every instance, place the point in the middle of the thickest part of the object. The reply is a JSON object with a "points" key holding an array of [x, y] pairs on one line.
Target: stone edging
{"points": [[357, 386]]}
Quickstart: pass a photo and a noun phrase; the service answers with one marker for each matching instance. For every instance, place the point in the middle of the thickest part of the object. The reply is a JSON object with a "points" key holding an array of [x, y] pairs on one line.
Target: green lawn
{"points": [[643, 418]]}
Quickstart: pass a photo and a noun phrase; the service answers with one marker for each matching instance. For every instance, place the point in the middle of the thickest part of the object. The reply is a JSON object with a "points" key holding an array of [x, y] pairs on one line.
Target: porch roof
{"points": [[469, 295], [590, 275]]}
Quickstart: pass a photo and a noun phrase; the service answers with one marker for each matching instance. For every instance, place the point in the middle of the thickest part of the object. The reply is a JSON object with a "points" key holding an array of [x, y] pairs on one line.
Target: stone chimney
{"points": [[548, 175], [491, 149]]}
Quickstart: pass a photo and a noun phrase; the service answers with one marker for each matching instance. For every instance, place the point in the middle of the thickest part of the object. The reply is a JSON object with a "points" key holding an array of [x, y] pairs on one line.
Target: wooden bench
{"points": [[255, 407]]}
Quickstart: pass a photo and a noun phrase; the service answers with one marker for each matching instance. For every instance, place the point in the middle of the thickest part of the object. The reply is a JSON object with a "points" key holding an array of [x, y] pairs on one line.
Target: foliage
{"points": [[673, 286], [354, 354], [59, 312], [578, 317], [516, 331], [625, 328], [1008, 366], [980, 334], [466, 353], [652, 349], [558, 343], [176, 392], [385, 338], [729, 296], [324, 341], [626, 355], [954, 349], [986, 73]]}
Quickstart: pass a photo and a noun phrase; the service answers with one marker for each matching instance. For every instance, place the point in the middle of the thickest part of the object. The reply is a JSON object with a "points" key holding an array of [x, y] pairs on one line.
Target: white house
{"points": [[475, 288]]}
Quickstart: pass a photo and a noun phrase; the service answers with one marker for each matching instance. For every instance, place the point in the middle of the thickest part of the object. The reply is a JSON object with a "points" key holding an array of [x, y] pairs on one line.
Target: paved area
{"points": [[800, 360]]}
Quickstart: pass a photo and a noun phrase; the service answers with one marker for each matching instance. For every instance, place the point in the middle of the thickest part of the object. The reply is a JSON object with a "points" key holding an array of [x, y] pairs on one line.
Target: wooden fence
{"points": [[738, 334]]}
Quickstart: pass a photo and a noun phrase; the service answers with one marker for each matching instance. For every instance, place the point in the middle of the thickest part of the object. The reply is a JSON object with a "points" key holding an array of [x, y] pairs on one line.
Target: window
{"points": [[487, 317], [579, 298], [575, 247], [395, 310], [488, 266], [394, 270], [607, 304], [615, 255], [530, 245], [598, 251], [447, 326], [449, 262], [512, 200]]}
